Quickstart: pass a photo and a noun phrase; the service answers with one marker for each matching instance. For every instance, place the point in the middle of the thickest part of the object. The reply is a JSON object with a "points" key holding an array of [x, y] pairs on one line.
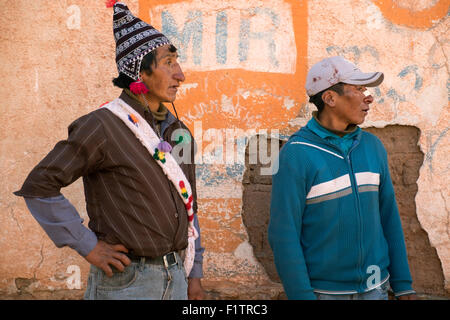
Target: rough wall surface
{"points": [[405, 160], [245, 64]]}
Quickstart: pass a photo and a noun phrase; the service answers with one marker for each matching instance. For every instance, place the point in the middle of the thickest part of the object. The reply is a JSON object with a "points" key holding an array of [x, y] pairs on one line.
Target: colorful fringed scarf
{"points": [[145, 134]]}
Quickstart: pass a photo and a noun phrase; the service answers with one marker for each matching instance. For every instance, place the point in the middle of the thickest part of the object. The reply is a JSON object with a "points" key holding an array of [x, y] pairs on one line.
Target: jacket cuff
{"points": [[87, 242], [401, 288], [404, 293], [302, 295]]}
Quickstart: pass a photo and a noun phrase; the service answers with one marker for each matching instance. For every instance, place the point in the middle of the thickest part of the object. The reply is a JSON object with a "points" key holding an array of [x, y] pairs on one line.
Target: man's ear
{"points": [[329, 98], [144, 77]]}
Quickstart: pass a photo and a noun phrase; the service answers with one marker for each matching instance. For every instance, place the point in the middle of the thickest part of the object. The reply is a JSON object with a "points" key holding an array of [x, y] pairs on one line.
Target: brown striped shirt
{"points": [[129, 200]]}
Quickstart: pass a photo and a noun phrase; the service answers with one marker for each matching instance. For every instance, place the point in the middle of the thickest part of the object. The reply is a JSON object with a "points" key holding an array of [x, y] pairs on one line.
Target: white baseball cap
{"points": [[330, 71]]}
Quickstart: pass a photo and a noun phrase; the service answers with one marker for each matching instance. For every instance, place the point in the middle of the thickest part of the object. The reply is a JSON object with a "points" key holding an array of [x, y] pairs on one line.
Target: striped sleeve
{"points": [[78, 155]]}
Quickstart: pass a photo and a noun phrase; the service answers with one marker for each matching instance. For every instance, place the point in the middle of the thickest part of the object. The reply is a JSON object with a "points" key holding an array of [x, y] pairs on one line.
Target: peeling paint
{"points": [[245, 251], [185, 88], [245, 63]]}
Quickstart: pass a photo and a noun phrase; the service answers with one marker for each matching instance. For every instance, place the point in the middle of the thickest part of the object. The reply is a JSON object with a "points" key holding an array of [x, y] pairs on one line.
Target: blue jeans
{"points": [[379, 293], [139, 281]]}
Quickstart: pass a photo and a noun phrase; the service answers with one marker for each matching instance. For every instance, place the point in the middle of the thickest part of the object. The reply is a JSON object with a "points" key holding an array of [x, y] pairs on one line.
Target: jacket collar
{"points": [[308, 134], [139, 108], [317, 127]]}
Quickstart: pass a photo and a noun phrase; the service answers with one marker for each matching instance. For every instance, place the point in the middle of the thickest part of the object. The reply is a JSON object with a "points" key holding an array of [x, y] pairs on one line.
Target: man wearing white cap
{"points": [[335, 229]]}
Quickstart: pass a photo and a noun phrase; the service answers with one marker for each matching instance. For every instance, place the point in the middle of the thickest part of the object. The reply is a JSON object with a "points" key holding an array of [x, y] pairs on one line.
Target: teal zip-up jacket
{"points": [[334, 223]]}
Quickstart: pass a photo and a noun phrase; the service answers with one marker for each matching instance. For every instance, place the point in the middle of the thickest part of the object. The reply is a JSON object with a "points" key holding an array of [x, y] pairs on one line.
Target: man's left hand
{"points": [[195, 289]]}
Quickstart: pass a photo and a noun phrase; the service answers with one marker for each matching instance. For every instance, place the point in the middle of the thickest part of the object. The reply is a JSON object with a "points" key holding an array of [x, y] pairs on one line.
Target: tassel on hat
{"points": [[110, 3], [138, 87]]}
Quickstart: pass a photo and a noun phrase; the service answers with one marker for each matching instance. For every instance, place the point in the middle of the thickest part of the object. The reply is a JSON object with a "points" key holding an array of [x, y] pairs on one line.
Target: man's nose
{"points": [[368, 99], [179, 75]]}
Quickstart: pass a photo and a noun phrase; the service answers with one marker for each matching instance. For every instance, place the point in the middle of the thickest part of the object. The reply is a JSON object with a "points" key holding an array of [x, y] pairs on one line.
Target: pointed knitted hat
{"points": [[134, 39]]}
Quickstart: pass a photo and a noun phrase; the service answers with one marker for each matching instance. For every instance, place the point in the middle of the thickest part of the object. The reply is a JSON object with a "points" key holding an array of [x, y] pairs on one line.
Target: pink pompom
{"points": [[138, 87], [110, 3]]}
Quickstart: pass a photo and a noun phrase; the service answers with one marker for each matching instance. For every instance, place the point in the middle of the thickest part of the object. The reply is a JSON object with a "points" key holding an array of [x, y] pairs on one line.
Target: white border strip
{"points": [[365, 178], [328, 187], [354, 292], [314, 146]]}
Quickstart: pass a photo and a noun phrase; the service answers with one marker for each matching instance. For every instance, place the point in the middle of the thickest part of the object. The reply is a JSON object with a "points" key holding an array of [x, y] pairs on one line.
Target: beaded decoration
{"points": [[133, 119], [186, 138], [159, 155], [103, 104], [145, 134], [164, 146]]}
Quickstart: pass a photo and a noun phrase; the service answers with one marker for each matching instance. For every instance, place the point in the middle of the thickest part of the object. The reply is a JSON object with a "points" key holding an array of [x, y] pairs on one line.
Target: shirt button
{"points": [[176, 215]]}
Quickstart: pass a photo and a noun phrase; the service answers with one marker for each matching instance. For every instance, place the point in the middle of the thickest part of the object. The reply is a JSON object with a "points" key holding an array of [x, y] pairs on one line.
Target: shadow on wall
{"points": [[405, 160]]}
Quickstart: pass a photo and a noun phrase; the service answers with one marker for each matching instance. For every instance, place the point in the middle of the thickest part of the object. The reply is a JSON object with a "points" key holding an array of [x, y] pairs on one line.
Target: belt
{"points": [[166, 260]]}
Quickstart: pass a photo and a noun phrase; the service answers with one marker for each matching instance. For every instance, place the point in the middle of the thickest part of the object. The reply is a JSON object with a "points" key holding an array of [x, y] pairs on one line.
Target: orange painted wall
{"points": [[411, 17], [215, 83], [57, 63]]}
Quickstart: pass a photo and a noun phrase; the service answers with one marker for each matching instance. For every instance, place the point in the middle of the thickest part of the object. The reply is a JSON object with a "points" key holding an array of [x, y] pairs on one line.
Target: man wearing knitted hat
{"points": [[143, 239], [335, 229]]}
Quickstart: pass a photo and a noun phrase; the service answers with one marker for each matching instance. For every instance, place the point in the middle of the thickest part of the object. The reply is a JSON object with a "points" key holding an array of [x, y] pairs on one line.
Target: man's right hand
{"points": [[105, 254]]}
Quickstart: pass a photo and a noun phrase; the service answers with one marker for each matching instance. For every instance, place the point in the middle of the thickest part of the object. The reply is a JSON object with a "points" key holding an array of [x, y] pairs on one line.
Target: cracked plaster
{"points": [[45, 102]]}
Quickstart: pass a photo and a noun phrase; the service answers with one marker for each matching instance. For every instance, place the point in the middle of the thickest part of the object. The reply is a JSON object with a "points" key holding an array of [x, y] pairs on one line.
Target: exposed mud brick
{"points": [[256, 211], [256, 205], [405, 160]]}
